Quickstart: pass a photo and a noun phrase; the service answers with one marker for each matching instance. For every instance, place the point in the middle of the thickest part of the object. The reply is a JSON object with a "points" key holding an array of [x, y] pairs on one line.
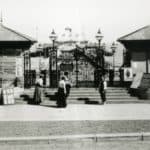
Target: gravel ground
{"points": [[37, 128], [114, 145]]}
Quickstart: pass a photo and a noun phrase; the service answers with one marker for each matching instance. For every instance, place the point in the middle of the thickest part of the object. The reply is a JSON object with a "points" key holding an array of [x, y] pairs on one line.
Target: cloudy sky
{"points": [[37, 18]]}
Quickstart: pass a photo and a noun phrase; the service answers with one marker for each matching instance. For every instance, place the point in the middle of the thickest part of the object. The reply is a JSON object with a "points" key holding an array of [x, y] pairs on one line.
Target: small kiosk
{"points": [[12, 63], [137, 46]]}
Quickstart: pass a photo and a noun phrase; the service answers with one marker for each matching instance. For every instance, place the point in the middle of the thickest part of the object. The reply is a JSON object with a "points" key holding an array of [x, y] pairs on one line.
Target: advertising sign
{"points": [[7, 69], [128, 75]]}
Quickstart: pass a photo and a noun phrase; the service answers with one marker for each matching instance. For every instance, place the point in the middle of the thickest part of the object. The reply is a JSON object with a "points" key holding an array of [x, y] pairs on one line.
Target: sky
{"points": [[37, 18]]}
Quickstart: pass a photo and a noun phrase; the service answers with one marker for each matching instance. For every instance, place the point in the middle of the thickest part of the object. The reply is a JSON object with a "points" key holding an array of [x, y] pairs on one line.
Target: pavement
{"points": [[83, 145], [75, 112], [45, 123]]}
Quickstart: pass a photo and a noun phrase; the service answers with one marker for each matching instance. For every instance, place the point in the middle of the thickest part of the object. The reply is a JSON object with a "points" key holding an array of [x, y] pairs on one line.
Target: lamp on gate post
{"points": [[53, 37], [113, 47], [99, 37], [100, 54]]}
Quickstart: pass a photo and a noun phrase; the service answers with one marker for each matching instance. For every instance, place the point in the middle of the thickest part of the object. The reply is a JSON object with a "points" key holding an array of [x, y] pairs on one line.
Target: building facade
{"points": [[12, 45], [137, 46]]}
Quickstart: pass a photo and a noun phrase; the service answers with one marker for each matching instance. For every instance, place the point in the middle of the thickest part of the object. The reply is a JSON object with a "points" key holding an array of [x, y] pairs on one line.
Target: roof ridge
{"points": [[18, 33], [120, 39]]}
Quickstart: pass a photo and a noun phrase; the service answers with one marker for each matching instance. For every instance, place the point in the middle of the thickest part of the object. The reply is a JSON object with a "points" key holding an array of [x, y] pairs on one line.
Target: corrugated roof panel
{"points": [[140, 34], [7, 34]]}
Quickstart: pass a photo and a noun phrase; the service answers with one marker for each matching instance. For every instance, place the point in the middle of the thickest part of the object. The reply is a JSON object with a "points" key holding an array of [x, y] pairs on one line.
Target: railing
{"points": [[80, 52]]}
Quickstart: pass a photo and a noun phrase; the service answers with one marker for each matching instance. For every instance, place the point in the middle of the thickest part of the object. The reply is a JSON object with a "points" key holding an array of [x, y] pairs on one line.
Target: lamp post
{"points": [[86, 75], [113, 47], [100, 55], [53, 37], [77, 69]]}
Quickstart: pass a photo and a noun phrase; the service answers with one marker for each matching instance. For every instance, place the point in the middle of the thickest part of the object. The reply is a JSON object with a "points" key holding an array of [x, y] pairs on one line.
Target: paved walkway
{"points": [[75, 112], [76, 120], [83, 145]]}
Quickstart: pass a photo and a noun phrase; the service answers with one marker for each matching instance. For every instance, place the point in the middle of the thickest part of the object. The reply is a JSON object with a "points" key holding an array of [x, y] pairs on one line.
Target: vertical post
{"points": [[114, 62], [123, 57], [30, 68], [147, 69], [28, 71], [100, 59], [76, 73], [24, 70], [103, 64], [56, 65], [53, 37], [2, 70], [86, 66], [100, 66], [50, 67], [97, 67], [76, 68], [99, 44]]}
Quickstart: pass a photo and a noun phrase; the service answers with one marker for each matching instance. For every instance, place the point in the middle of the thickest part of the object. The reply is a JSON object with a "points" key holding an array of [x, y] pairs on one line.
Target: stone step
{"points": [[97, 94], [97, 99], [78, 89], [131, 101], [80, 92], [113, 95], [20, 101], [95, 91], [89, 101], [85, 96]]}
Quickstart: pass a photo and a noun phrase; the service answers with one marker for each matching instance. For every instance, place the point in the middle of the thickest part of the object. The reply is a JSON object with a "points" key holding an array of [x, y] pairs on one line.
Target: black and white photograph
{"points": [[74, 75]]}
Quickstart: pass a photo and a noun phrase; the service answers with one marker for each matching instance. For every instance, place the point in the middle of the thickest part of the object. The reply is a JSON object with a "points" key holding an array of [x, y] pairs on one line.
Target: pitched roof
{"points": [[140, 34], [7, 34]]}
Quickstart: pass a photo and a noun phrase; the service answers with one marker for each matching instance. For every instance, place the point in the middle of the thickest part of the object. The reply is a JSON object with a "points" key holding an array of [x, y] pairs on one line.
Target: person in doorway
{"points": [[68, 84], [102, 89], [61, 94], [37, 99]]}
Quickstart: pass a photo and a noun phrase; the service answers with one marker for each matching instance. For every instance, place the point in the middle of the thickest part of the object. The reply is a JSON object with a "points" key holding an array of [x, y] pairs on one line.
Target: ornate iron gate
{"points": [[29, 75]]}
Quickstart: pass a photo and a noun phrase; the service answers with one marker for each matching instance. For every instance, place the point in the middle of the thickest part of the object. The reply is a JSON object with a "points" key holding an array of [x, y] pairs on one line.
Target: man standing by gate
{"points": [[102, 89]]}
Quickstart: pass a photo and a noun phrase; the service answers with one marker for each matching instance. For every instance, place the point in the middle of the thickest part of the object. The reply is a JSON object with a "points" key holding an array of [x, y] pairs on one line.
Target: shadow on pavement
{"points": [[26, 98], [88, 101], [52, 106], [92, 102], [52, 97]]}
